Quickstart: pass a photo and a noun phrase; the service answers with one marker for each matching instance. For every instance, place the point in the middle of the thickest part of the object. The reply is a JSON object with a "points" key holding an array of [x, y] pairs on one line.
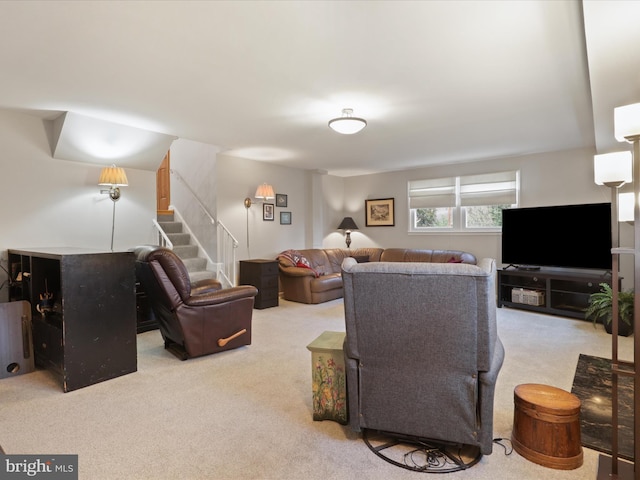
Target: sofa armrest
{"points": [[222, 296]]}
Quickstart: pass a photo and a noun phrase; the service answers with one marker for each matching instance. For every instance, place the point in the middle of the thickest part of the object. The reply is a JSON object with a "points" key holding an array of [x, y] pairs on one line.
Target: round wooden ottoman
{"points": [[546, 426]]}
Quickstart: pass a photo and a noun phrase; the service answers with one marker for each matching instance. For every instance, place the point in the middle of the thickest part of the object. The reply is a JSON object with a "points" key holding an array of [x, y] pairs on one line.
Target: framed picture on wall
{"points": [[281, 200], [285, 218], [379, 212], [267, 212]]}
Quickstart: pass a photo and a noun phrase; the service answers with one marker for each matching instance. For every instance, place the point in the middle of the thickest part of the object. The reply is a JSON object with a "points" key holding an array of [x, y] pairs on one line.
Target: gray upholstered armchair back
{"points": [[422, 350]]}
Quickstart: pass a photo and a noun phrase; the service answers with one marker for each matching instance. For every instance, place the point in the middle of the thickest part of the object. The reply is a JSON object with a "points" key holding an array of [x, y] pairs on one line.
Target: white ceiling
{"points": [[437, 81]]}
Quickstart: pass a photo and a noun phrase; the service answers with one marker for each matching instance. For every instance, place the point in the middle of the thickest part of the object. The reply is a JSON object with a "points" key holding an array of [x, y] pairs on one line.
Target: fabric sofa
{"points": [[314, 275]]}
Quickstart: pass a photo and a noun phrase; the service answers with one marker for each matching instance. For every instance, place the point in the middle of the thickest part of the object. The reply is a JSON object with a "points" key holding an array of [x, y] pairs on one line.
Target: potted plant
{"points": [[600, 308]]}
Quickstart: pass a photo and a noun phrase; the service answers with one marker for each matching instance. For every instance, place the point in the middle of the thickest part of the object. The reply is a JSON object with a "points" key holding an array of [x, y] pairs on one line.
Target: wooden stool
{"points": [[546, 426]]}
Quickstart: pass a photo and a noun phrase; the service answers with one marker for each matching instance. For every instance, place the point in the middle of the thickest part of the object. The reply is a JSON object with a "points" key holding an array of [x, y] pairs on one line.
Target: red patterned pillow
{"points": [[304, 263]]}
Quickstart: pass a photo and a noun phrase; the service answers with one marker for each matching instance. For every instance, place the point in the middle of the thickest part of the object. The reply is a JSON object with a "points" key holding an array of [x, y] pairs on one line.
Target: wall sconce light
{"points": [[347, 224], [113, 177], [264, 192]]}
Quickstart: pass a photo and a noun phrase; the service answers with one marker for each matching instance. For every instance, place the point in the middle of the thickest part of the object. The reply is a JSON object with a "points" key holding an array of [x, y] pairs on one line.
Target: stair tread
{"points": [[171, 227], [179, 238], [201, 275], [195, 264], [186, 251]]}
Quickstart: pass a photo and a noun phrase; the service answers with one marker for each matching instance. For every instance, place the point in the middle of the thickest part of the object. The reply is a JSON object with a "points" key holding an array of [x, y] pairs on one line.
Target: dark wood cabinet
{"points": [[262, 274], [555, 292], [86, 333], [146, 319]]}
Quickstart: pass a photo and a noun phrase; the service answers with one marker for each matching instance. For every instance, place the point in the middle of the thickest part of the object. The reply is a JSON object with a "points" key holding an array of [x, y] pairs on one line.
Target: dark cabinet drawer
{"points": [[262, 274], [267, 282]]}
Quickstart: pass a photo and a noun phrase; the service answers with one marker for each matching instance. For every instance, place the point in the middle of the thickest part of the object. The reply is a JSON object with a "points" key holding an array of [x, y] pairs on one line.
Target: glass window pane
{"points": [[441, 217], [486, 216]]}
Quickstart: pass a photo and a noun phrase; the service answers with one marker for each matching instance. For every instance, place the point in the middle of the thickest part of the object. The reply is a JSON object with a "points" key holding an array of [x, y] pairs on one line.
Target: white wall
{"points": [[48, 202], [52, 203], [546, 179], [238, 179], [193, 183]]}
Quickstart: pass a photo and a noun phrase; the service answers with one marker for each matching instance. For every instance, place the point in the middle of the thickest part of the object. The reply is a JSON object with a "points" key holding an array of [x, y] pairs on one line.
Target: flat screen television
{"points": [[569, 236]]}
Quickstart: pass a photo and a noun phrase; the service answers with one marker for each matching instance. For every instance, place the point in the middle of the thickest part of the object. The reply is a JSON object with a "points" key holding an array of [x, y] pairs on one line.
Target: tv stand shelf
{"points": [[564, 293]]}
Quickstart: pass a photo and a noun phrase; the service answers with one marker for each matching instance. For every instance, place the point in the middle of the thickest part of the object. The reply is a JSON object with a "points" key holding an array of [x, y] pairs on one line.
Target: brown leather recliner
{"points": [[197, 319]]}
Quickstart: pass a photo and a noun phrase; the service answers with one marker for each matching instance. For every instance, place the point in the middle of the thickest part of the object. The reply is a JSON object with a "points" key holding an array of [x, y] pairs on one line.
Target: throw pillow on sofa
{"points": [[293, 258]]}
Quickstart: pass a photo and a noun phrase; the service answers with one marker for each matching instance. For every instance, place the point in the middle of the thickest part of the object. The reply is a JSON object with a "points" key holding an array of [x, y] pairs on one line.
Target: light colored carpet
{"points": [[246, 413]]}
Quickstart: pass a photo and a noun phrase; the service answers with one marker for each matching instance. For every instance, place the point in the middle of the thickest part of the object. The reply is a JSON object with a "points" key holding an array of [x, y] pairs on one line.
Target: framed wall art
{"points": [[267, 212], [281, 200], [379, 212], [285, 218]]}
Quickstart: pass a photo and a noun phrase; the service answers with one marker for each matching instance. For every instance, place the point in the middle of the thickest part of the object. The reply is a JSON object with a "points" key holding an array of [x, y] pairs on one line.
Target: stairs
{"points": [[188, 253]]}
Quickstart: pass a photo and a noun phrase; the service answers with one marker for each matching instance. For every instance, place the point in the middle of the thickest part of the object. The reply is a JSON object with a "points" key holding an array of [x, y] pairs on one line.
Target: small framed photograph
{"points": [[281, 200], [267, 212], [379, 212], [285, 218]]}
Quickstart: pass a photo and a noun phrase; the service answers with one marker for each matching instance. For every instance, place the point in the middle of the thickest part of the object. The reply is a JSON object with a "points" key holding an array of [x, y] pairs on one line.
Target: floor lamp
{"points": [[627, 128], [264, 192], [613, 170], [113, 177]]}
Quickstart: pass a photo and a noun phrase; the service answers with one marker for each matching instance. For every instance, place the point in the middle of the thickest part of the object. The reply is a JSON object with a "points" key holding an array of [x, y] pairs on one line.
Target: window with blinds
{"points": [[462, 203]]}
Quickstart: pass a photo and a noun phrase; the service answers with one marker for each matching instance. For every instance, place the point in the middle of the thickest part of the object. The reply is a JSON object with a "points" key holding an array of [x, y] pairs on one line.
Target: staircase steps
{"points": [[179, 238], [171, 227], [195, 264], [188, 253]]}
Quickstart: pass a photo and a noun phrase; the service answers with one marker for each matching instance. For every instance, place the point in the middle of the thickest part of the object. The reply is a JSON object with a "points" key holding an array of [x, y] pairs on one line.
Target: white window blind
{"points": [[432, 193], [488, 189]]}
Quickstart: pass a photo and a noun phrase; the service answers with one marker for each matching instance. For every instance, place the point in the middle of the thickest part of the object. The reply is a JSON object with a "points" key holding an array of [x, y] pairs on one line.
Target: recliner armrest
{"points": [[222, 296], [205, 286]]}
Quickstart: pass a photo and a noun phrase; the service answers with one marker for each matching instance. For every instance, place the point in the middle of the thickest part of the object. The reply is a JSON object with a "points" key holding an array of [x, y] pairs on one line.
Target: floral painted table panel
{"points": [[329, 378]]}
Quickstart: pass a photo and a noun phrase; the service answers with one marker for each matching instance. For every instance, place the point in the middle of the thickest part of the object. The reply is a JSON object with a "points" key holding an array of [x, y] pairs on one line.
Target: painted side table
{"points": [[329, 381]]}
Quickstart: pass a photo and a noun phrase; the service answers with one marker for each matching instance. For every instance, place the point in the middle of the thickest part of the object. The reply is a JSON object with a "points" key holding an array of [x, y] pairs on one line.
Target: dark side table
{"points": [[262, 274]]}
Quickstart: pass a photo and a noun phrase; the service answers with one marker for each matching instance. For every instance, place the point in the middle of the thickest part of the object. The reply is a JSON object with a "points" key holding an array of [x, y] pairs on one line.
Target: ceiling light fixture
{"points": [[347, 124]]}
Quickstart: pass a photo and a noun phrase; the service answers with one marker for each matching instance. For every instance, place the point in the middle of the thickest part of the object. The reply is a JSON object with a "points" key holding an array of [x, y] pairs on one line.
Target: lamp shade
{"points": [[114, 176], [625, 207], [626, 122], [347, 223], [612, 168], [265, 192], [347, 124]]}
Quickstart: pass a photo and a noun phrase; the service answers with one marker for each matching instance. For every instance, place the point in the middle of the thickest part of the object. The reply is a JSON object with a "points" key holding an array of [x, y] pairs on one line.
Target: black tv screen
{"points": [[570, 236]]}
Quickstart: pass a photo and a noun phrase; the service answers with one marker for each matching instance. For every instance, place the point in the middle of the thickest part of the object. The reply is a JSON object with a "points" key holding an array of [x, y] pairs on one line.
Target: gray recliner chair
{"points": [[422, 350]]}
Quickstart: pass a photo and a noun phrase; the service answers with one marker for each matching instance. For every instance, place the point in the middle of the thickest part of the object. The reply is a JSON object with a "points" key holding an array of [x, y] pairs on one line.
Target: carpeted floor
{"points": [[247, 413], [592, 385]]}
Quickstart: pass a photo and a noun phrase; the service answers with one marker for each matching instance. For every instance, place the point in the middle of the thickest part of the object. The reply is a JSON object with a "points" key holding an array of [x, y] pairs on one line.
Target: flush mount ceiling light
{"points": [[347, 124]]}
